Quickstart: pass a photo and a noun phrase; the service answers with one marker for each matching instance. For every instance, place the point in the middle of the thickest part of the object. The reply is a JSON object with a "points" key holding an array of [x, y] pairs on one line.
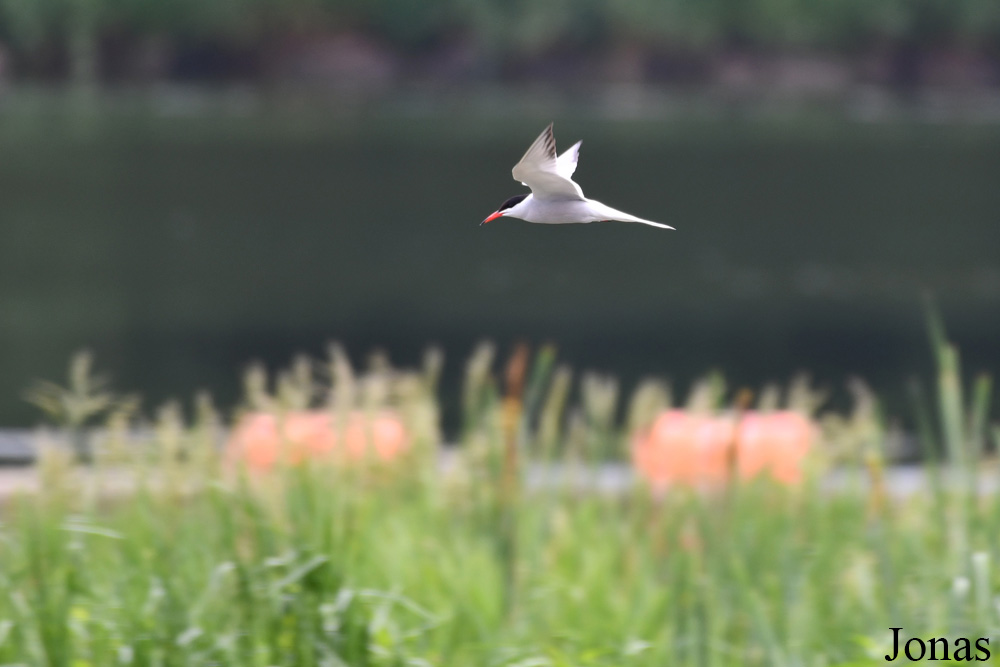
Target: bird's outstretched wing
{"points": [[566, 163], [548, 176]]}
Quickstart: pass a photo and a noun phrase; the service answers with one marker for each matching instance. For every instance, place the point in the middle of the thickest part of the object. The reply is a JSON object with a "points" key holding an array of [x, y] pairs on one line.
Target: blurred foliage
{"points": [[506, 28], [83, 397], [165, 552]]}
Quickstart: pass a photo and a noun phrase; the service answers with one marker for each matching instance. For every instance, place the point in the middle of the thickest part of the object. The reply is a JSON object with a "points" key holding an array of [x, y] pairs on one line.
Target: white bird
{"points": [[554, 197]]}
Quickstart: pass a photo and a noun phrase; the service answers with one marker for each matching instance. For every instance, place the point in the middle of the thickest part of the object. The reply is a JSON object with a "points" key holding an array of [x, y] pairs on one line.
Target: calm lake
{"points": [[181, 247]]}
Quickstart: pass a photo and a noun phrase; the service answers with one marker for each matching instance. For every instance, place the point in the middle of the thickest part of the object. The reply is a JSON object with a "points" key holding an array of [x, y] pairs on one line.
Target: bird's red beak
{"points": [[493, 216]]}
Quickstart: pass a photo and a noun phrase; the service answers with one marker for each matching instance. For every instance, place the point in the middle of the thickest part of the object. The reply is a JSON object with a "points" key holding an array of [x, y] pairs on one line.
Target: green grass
{"points": [[417, 565]]}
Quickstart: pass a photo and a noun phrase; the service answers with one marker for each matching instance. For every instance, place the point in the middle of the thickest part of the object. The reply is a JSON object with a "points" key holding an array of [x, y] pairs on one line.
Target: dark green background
{"points": [[180, 248]]}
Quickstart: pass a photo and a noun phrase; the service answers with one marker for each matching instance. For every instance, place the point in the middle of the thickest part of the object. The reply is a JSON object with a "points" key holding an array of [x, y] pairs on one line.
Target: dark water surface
{"points": [[181, 248]]}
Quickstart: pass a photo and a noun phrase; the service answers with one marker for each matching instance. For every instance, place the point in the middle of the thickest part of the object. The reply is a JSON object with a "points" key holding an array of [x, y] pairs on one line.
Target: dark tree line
{"points": [[101, 40]]}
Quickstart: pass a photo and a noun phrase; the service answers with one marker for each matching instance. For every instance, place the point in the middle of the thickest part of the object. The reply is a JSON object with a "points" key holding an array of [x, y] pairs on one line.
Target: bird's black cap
{"points": [[513, 201]]}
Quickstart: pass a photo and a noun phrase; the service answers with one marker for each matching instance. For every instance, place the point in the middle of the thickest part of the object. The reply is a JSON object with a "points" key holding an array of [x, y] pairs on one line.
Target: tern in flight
{"points": [[555, 198]]}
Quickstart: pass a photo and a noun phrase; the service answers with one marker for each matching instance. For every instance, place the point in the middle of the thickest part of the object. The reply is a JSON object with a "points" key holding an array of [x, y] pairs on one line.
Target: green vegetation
{"points": [[535, 24], [43, 33], [196, 563]]}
